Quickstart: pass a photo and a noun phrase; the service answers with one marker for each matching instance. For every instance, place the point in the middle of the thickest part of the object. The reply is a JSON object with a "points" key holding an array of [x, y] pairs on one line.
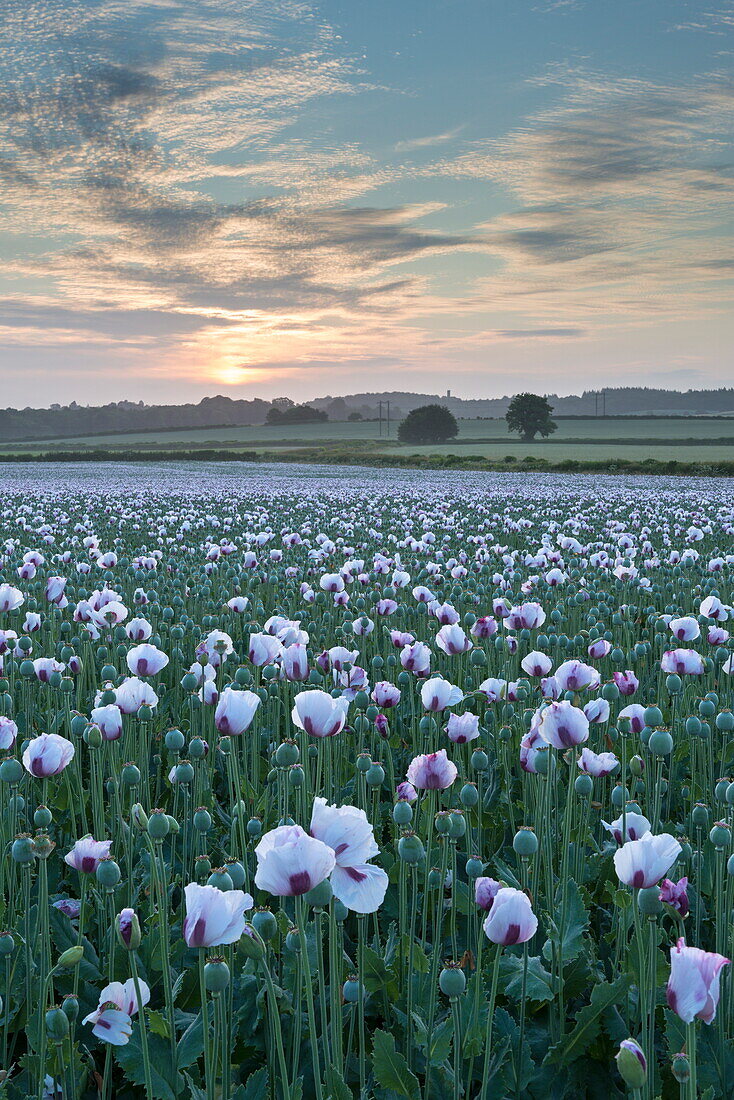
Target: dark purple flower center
{"points": [[300, 882], [512, 935]]}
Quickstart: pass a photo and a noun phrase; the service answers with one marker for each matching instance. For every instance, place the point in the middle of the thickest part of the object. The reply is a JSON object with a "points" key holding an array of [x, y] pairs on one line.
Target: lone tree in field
{"points": [[530, 415], [428, 424]]}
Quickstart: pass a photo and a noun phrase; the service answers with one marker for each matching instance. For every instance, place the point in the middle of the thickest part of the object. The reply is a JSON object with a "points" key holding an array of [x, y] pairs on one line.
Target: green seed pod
{"points": [[7, 944], [469, 795], [375, 776], [174, 740], [42, 818], [130, 775], [197, 748], [296, 776], [203, 866], [681, 1069], [319, 896], [11, 771], [720, 835], [479, 760], [93, 737], [216, 975], [220, 879], [287, 754], [474, 867], [700, 815], [725, 721], [648, 901], [584, 786], [159, 825], [351, 990], [457, 825], [23, 849], [402, 813], [661, 742], [202, 820], [236, 872], [264, 923], [292, 940], [525, 842], [70, 1007], [452, 980], [184, 772], [57, 1025], [108, 873], [410, 849], [721, 788], [653, 716], [620, 795], [254, 828]]}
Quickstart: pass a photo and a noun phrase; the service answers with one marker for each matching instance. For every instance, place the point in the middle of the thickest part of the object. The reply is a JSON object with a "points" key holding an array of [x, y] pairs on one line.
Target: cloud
{"points": [[716, 21], [428, 141], [624, 191], [153, 156]]}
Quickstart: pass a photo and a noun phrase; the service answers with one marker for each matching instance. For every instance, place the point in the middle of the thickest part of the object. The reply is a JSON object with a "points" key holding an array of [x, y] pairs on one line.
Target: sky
{"points": [[309, 197]]}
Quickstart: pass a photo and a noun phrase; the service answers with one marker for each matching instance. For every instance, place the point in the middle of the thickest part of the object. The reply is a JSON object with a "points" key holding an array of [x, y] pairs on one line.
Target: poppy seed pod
{"points": [[216, 975], [264, 923], [57, 1025], [410, 849], [158, 825], [452, 980], [720, 835], [525, 842]]}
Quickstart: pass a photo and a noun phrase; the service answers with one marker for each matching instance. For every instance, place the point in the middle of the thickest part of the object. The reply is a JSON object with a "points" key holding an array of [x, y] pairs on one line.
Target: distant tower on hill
{"points": [[448, 393]]}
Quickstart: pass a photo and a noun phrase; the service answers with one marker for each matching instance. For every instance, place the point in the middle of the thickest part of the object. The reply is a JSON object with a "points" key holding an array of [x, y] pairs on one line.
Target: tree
{"points": [[428, 424], [354, 416], [530, 415], [295, 414]]}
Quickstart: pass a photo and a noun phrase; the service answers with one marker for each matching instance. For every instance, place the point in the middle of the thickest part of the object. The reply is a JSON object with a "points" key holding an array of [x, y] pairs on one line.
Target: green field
{"points": [[690, 440]]}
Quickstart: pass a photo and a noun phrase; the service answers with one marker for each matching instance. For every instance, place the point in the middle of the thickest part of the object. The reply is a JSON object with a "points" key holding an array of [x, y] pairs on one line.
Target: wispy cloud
{"points": [[175, 201], [429, 141], [625, 191]]}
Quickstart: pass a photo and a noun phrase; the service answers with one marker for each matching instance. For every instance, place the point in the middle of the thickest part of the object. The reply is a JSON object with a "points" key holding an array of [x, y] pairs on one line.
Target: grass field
{"points": [[691, 440]]}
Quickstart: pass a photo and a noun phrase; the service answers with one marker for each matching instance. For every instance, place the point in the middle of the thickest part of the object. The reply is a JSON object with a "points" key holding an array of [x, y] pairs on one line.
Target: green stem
{"points": [[143, 1030], [490, 1023]]}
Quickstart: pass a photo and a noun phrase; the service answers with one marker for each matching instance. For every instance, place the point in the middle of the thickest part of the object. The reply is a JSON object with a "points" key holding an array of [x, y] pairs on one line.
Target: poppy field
{"points": [[320, 784]]}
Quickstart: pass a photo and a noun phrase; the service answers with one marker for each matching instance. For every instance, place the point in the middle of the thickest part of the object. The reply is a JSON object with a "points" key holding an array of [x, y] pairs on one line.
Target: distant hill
{"points": [[63, 422]]}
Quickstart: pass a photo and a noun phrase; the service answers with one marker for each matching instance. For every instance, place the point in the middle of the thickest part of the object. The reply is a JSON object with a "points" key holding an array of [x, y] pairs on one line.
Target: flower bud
{"points": [[631, 1063], [127, 927], [71, 957]]}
